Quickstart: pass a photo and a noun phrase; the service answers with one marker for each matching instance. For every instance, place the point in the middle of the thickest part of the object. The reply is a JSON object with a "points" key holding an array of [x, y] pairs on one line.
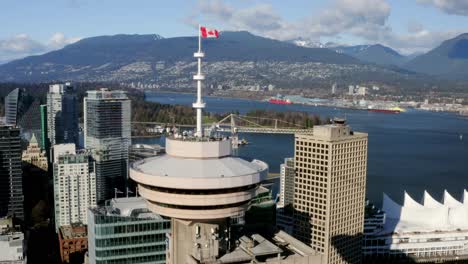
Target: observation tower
{"points": [[200, 185]]}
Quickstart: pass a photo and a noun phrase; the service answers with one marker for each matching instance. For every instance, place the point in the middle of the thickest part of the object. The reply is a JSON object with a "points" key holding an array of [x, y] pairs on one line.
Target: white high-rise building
{"points": [[74, 185], [361, 90], [284, 212], [286, 182], [351, 89]]}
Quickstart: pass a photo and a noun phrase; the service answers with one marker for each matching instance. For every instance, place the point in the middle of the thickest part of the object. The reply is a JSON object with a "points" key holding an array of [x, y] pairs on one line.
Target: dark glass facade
{"points": [[62, 111], [12, 103], [11, 183]]}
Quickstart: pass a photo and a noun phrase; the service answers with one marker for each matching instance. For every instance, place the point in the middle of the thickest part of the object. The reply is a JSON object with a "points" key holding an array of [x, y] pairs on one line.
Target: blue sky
{"points": [[34, 27]]}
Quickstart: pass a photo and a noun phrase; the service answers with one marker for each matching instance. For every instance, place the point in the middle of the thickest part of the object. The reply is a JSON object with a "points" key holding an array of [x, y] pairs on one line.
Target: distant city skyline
{"points": [[36, 27]]}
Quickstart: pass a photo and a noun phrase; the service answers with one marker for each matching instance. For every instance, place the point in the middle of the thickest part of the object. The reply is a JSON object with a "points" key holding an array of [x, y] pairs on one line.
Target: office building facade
{"points": [[62, 114], [107, 132], [125, 231], [74, 185], [11, 182], [329, 191]]}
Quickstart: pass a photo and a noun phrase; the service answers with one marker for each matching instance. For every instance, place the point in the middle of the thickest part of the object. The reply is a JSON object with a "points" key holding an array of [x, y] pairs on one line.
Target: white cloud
{"points": [[343, 15], [361, 19], [420, 41], [453, 7], [22, 45], [58, 40]]}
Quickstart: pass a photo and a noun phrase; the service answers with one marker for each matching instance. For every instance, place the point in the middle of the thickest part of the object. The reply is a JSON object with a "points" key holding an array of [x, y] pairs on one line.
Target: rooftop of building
{"points": [[179, 167], [81, 156], [60, 88], [127, 207], [106, 94], [193, 138], [280, 246], [73, 231], [150, 147], [8, 227], [336, 131]]}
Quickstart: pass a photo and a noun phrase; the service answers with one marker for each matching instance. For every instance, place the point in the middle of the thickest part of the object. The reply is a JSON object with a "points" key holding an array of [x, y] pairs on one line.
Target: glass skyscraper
{"points": [[125, 231], [22, 110], [11, 183], [12, 103], [107, 133], [62, 114]]}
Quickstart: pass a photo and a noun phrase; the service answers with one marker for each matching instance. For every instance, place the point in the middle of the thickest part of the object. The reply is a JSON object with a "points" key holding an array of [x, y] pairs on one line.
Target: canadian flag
{"points": [[209, 33]]}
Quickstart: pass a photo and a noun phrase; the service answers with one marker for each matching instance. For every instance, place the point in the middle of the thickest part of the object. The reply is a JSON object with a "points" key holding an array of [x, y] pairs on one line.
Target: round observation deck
{"points": [[198, 179]]}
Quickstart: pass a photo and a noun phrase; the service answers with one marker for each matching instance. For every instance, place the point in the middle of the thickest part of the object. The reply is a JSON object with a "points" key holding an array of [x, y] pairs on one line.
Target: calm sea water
{"points": [[412, 151]]}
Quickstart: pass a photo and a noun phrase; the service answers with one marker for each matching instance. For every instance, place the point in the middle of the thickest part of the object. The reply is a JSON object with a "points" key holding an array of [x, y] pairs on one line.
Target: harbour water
{"points": [[412, 151]]}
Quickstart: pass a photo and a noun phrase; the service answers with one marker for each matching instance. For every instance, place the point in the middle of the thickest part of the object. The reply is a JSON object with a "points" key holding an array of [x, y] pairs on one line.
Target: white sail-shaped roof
{"points": [[465, 197], [450, 201], [391, 209], [409, 202], [427, 217], [430, 202]]}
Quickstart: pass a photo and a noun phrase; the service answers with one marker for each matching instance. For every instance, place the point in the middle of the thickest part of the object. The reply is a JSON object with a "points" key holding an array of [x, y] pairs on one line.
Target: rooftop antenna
{"points": [[116, 191], [199, 77], [128, 191]]}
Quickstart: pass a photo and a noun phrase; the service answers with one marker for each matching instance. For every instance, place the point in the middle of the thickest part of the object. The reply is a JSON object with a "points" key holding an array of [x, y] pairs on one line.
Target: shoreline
{"points": [[307, 105]]}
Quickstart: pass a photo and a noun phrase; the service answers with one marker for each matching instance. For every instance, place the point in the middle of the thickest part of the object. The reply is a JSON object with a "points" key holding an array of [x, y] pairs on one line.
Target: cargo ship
{"points": [[394, 110], [279, 101]]}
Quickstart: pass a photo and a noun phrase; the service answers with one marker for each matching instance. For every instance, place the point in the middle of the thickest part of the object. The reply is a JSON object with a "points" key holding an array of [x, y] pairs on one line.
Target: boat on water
{"points": [[243, 142], [394, 110], [386, 111], [279, 101]]}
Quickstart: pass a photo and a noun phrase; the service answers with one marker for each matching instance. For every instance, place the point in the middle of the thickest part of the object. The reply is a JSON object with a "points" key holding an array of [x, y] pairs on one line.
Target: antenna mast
{"points": [[199, 77]]}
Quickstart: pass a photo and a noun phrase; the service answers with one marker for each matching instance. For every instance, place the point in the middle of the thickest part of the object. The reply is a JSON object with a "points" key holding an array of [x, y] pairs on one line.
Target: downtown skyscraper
{"points": [[62, 114], [329, 191], [11, 183], [107, 134], [13, 107]]}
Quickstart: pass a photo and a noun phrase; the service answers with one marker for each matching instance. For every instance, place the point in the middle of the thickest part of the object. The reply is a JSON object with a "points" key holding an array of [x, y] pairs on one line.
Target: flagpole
{"points": [[199, 38]]}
